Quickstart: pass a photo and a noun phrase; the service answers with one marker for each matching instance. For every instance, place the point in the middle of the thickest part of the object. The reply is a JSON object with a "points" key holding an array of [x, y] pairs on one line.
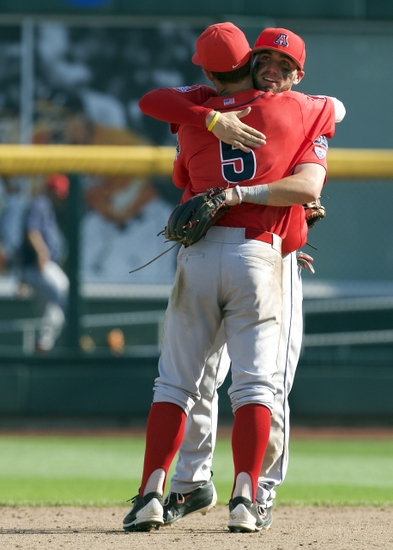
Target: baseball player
{"points": [[276, 50], [233, 275]]}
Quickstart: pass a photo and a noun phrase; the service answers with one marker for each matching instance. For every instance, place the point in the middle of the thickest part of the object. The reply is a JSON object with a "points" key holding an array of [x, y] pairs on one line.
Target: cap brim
{"points": [[195, 59]]}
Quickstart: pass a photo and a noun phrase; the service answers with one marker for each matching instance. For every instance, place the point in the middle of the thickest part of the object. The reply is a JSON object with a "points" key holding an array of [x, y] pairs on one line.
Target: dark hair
{"points": [[234, 76]]}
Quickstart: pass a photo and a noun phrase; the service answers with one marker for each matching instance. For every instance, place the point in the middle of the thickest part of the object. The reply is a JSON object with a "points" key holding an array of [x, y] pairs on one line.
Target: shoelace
{"points": [[180, 499], [261, 511]]}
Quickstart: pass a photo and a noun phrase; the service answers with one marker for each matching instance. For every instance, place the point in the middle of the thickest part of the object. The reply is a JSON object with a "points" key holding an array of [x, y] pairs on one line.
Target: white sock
{"points": [[155, 483], [243, 486]]}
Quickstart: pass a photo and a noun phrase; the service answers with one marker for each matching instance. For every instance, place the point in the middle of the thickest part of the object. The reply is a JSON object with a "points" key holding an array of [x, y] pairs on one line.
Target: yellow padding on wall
{"points": [[147, 160]]}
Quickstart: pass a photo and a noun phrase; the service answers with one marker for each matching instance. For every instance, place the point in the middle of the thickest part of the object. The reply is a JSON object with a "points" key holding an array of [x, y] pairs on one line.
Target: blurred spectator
{"points": [[85, 98], [40, 257], [119, 233], [14, 200], [115, 340], [120, 211], [3, 260]]}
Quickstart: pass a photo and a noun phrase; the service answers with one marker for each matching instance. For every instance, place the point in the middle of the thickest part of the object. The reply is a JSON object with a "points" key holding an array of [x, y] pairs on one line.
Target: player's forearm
{"points": [[295, 189], [170, 105], [174, 107], [302, 187]]}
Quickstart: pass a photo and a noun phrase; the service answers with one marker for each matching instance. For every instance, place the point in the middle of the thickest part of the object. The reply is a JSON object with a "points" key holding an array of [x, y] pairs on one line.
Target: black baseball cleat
{"points": [[146, 513], [266, 516], [246, 517], [178, 505]]}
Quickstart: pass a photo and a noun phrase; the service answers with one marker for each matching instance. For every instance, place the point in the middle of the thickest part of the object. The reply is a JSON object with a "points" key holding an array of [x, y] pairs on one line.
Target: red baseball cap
{"points": [[222, 48], [284, 41], [60, 184]]}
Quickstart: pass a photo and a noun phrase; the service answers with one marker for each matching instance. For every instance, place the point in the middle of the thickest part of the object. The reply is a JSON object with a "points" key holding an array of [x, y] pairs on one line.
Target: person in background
{"points": [[41, 255], [14, 199]]}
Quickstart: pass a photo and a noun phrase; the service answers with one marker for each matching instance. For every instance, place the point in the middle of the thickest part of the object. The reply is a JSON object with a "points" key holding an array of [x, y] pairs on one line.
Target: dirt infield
{"points": [[294, 528]]}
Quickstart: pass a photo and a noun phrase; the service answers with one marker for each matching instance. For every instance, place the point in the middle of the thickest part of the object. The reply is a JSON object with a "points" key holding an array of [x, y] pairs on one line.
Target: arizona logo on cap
{"points": [[282, 40]]}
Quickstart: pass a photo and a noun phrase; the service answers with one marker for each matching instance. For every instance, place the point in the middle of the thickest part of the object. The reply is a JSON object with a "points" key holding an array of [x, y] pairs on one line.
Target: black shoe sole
{"points": [[143, 527]]}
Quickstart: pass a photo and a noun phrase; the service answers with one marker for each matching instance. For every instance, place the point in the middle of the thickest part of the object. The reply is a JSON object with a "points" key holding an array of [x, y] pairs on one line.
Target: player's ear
{"points": [[208, 74], [298, 77]]}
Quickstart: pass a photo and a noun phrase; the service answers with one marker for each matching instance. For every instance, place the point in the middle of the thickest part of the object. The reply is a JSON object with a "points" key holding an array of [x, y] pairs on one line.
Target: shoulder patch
{"points": [[321, 147], [185, 89], [322, 141], [320, 152]]}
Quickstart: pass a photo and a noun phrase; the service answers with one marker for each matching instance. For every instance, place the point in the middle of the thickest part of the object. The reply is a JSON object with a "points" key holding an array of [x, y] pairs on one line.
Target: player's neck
{"points": [[230, 88]]}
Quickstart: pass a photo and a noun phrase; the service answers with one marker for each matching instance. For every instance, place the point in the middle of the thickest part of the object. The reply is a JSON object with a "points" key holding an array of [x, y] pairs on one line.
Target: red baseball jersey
{"points": [[185, 105], [297, 231], [292, 122]]}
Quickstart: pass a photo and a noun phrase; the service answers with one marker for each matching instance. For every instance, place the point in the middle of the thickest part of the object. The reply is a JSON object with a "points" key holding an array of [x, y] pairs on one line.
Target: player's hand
{"points": [[230, 129], [231, 196]]}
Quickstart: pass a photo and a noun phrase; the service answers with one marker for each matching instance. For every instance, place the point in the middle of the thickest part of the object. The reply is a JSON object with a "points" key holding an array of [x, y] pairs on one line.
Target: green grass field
{"points": [[103, 471]]}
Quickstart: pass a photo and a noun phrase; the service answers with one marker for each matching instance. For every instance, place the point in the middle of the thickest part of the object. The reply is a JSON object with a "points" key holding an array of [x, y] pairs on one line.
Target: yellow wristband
{"points": [[213, 122]]}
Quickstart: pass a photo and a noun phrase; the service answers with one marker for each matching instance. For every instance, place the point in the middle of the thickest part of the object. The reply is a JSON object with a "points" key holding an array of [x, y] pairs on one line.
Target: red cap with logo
{"points": [[222, 48], [284, 41]]}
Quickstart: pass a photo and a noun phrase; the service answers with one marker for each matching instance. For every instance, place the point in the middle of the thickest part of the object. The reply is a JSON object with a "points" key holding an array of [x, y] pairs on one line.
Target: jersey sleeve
{"points": [[323, 119], [180, 174], [188, 194], [316, 152], [178, 105]]}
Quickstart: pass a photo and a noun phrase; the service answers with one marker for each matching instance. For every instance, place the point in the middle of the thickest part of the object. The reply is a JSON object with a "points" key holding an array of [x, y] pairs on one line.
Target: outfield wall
{"points": [[120, 391]]}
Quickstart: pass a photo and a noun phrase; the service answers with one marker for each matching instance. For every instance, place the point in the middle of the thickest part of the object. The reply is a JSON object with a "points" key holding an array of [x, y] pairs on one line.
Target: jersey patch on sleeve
{"points": [[321, 153], [321, 147], [185, 89], [322, 141]]}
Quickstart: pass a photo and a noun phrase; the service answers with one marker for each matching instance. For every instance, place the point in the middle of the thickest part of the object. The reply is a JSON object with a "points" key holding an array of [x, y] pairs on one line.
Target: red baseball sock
{"points": [[164, 435], [250, 436]]}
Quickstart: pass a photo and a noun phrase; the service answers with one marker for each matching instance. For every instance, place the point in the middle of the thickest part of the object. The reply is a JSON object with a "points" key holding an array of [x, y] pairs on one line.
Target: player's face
{"points": [[273, 71]]}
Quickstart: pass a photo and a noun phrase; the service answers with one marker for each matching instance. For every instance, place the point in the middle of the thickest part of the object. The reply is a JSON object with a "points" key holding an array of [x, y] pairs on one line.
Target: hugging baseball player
{"points": [[251, 316]]}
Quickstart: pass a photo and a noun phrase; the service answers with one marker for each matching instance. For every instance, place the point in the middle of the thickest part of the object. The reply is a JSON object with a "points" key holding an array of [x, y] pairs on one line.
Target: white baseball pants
{"points": [[223, 278], [196, 453]]}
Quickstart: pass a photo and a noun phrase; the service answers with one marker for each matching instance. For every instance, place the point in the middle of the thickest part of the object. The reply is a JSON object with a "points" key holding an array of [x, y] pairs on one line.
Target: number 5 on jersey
{"points": [[236, 165]]}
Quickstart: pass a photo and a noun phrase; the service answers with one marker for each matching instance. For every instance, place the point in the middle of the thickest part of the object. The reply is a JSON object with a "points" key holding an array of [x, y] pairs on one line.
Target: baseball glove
{"points": [[190, 221], [314, 212]]}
